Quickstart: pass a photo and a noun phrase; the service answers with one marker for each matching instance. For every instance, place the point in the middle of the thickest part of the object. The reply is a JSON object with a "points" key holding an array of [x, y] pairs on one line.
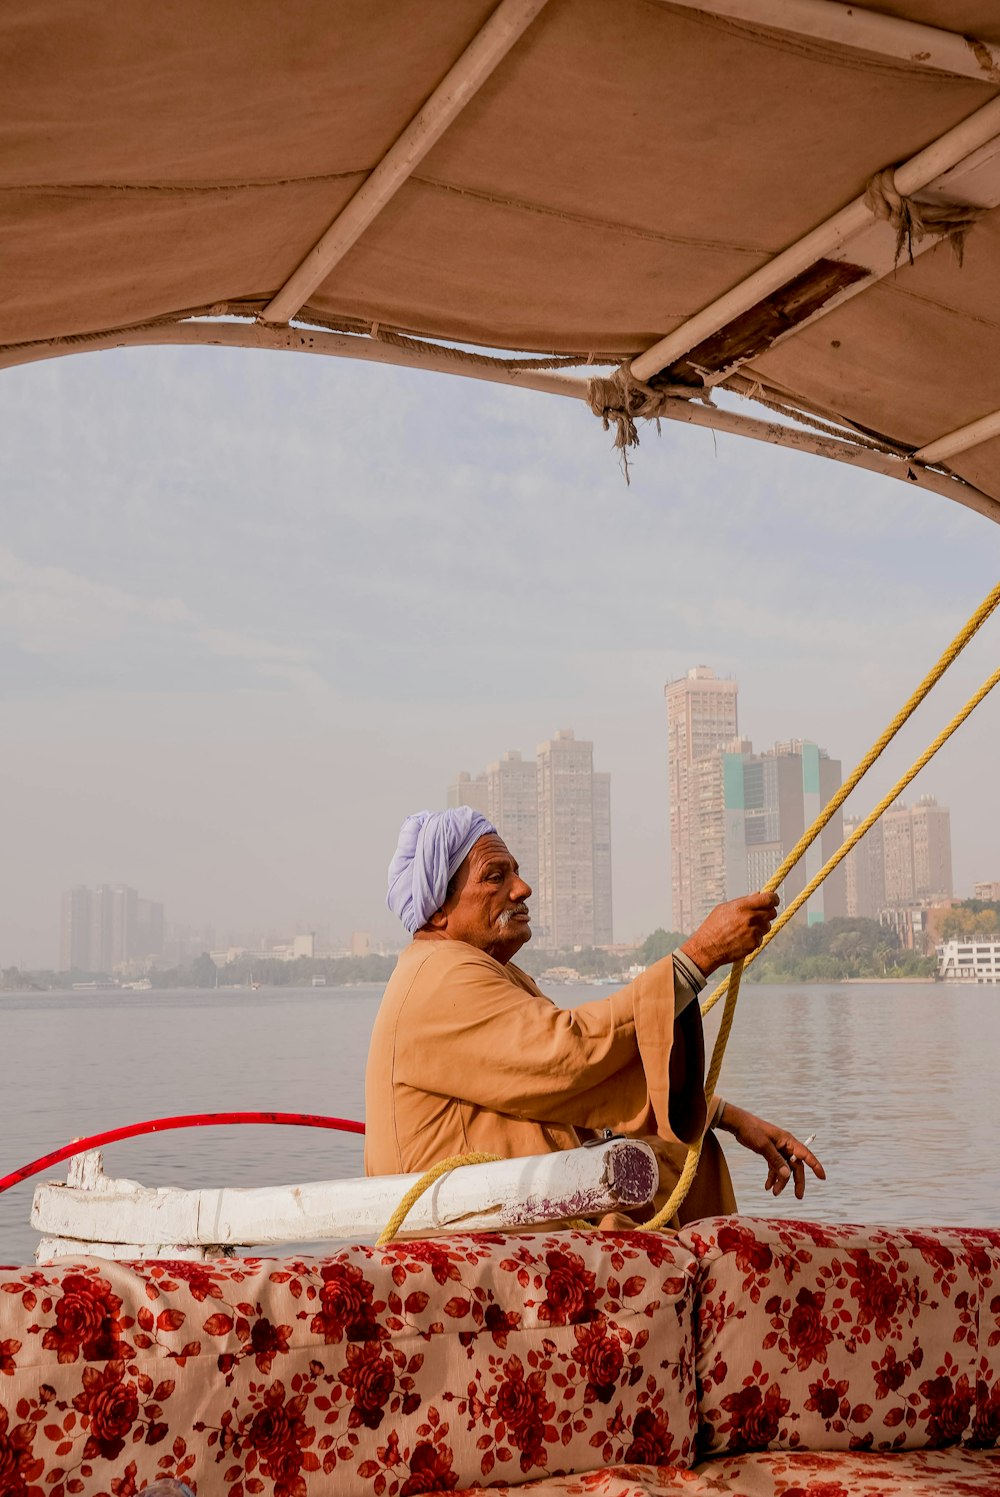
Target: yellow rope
{"points": [[958, 644], [425, 1182], [730, 986], [863, 827]]}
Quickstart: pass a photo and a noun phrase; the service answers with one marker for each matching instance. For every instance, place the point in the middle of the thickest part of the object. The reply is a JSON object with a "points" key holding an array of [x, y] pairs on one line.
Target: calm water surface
{"points": [[898, 1081]]}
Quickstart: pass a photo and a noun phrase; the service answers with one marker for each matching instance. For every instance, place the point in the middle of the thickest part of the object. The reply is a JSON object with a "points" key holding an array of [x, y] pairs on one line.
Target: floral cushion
{"points": [[910, 1473], [416, 1368], [844, 1338], [983, 1249]]}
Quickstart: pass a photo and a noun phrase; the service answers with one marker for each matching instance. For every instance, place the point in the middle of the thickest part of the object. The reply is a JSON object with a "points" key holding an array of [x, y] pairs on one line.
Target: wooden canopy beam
{"points": [[483, 54], [830, 244], [961, 439], [864, 30], [441, 360]]}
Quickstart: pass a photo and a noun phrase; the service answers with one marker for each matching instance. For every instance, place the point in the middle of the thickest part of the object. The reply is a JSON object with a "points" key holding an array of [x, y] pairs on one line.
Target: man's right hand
{"points": [[731, 931]]}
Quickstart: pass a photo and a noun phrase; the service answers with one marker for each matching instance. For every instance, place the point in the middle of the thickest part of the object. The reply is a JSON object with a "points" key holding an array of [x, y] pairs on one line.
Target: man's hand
{"points": [[786, 1157], [731, 931]]}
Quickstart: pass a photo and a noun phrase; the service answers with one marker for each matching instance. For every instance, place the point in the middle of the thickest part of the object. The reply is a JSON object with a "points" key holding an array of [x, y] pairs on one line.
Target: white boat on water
{"points": [[772, 218]]}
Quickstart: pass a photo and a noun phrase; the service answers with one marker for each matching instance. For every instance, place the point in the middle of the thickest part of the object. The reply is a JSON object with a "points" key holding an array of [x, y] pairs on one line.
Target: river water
{"points": [[898, 1081]]}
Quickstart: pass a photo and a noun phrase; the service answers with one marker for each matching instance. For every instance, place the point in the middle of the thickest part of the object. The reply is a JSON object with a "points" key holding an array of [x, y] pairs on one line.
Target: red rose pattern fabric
{"points": [[560, 1364], [845, 1338], [423, 1367], [911, 1473]]}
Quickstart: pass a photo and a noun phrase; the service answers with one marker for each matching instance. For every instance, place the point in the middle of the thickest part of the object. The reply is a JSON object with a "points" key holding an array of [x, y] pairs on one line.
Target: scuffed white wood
{"points": [[86, 1170], [619, 1174], [52, 1249]]}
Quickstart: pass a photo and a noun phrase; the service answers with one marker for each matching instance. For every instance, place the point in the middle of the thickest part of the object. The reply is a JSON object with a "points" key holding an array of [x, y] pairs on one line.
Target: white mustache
{"points": [[506, 916]]}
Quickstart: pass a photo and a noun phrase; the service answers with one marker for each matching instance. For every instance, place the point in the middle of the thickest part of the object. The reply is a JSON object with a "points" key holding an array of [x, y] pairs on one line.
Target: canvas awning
{"points": [[793, 199]]}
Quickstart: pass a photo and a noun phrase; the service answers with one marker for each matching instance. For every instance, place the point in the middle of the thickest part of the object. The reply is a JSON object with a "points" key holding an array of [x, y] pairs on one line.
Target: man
{"points": [[467, 1055]]}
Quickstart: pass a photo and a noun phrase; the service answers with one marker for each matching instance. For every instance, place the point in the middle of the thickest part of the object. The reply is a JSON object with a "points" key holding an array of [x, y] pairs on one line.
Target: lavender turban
{"points": [[431, 846]]}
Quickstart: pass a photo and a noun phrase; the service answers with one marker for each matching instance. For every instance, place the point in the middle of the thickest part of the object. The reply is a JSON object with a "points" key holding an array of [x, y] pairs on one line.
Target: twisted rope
{"points": [[443, 1167], [729, 987], [620, 400], [860, 830], [913, 220], [755, 391]]}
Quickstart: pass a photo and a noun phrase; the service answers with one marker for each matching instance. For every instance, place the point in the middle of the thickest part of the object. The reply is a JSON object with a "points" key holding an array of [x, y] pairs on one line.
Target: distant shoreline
{"points": [[885, 979]]}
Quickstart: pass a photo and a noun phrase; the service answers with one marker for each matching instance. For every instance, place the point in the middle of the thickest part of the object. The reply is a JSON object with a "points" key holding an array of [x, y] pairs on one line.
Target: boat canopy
{"points": [[792, 200]]}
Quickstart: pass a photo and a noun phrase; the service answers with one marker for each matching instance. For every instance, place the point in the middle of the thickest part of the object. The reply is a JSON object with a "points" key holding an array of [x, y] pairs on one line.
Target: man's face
{"points": [[487, 904]]}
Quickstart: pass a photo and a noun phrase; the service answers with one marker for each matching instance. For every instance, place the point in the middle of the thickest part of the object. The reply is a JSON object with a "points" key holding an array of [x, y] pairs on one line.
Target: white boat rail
{"points": [[95, 1215]]}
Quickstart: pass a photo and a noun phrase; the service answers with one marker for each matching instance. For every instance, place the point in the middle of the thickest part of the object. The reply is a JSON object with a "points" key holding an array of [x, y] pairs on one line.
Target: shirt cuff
{"points": [[688, 982]]}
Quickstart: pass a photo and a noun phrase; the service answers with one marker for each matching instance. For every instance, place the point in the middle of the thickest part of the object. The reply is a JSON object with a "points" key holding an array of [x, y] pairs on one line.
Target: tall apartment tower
{"points": [[770, 799], [466, 791], [512, 806], [701, 717], [102, 903], [932, 877], [74, 930], [565, 900], [917, 853], [603, 915], [864, 871], [104, 927], [124, 925]]}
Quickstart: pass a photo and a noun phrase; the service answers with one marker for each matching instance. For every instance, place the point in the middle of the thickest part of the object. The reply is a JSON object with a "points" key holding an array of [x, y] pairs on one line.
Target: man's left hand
{"points": [[786, 1157]]}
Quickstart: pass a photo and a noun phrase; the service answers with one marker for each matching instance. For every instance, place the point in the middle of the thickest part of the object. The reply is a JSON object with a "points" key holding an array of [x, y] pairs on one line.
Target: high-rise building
{"points": [[466, 791], [124, 925], [566, 862], [917, 853], [512, 806], [748, 811], [603, 912], [75, 930], [149, 929], [103, 928], [701, 717], [864, 871], [555, 816], [932, 877], [818, 779]]}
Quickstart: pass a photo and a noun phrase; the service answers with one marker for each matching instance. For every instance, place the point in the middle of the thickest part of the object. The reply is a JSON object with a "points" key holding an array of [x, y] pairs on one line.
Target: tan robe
{"points": [[468, 1056]]}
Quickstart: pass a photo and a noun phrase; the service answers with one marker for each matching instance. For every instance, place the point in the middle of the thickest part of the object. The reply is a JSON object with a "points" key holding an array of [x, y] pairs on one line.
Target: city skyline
{"points": [[236, 651], [108, 927], [554, 813], [904, 860], [758, 809], [736, 814]]}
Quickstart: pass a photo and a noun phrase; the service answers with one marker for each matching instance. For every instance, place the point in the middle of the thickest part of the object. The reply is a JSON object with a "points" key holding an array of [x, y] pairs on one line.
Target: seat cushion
{"points": [[420, 1367], [910, 1473], [842, 1338]]}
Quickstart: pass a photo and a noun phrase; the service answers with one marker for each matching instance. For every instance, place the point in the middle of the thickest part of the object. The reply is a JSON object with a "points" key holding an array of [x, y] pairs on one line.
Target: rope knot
{"points": [[913, 220], [620, 400]]}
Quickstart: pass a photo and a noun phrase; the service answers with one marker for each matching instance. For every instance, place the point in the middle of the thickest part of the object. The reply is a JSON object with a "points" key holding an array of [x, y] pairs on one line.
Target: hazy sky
{"points": [[255, 608]]}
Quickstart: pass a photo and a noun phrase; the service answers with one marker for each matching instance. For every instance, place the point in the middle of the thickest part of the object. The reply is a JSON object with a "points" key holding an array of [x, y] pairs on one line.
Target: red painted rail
{"points": [[163, 1125]]}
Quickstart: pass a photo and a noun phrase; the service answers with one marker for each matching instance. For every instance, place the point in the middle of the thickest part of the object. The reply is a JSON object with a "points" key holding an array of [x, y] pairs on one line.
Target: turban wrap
{"points": [[431, 846]]}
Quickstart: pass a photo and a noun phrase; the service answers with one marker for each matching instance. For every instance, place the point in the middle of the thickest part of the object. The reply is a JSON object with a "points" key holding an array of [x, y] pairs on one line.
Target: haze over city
{"points": [[254, 610]]}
